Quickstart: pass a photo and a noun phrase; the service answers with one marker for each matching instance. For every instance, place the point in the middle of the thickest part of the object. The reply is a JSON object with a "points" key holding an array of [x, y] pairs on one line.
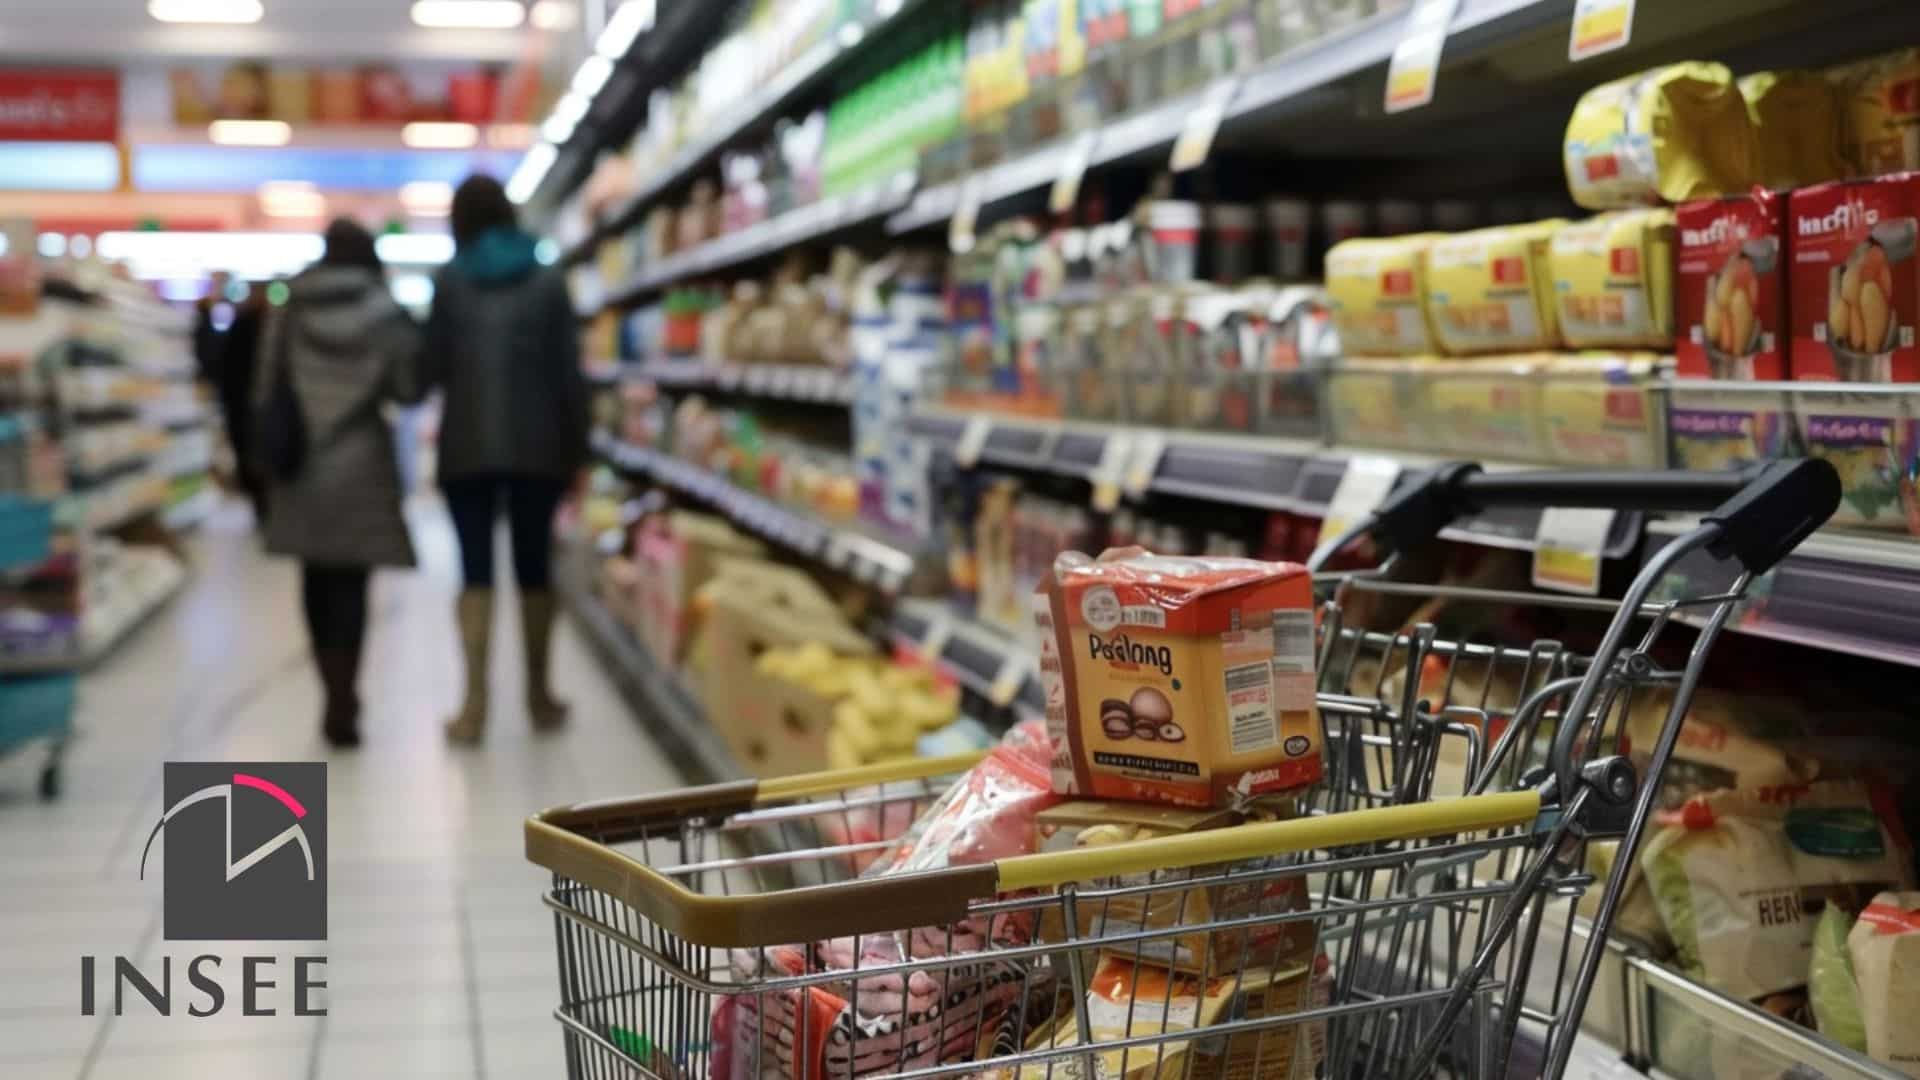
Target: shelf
{"points": [[146, 577], [779, 382], [1293, 475], [887, 564], [663, 703], [1839, 591], [797, 226], [980, 658], [795, 78]]}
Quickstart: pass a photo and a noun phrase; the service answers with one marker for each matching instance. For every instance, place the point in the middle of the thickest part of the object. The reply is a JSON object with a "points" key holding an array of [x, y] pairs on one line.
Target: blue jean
{"points": [[475, 504]]}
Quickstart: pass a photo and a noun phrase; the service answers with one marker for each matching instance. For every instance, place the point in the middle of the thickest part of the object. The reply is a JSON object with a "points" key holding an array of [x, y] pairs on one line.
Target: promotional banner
{"points": [[59, 105]]}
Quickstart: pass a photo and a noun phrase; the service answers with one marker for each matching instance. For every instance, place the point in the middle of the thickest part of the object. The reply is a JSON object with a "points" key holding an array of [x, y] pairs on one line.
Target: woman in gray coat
{"points": [[350, 348]]}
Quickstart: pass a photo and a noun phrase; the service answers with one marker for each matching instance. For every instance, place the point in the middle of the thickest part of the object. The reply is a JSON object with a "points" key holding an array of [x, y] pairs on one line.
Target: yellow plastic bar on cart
{"points": [[1440, 817], [802, 785]]}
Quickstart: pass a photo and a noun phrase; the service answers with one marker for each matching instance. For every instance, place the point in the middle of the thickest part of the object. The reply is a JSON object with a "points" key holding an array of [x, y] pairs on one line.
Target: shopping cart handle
{"points": [[1762, 512]]}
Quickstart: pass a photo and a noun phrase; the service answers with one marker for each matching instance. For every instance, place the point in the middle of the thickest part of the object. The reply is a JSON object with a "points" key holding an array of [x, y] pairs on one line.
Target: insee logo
{"points": [[246, 851]]}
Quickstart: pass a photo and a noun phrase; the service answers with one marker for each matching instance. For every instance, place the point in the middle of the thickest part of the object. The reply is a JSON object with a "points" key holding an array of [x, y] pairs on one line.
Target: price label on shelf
{"points": [[1148, 448], [1007, 681], [1599, 26], [934, 641], [1568, 549], [973, 439], [966, 213], [1415, 65], [1073, 167], [1109, 474], [1203, 123], [1363, 487]]}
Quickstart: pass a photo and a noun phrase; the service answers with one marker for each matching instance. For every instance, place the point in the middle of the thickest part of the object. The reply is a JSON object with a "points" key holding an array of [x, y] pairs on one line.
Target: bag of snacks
{"points": [[1613, 275], [1379, 294], [1671, 134], [1881, 132], [1885, 949], [1796, 123], [1832, 994]]}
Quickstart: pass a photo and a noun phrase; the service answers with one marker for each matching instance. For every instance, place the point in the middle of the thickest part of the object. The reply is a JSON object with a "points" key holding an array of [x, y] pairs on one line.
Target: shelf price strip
{"points": [[1415, 65]]}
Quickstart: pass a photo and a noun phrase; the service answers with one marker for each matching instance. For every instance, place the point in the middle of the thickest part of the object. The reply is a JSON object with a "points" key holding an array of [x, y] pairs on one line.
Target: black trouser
{"points": [[335, 598], [474, 502]]}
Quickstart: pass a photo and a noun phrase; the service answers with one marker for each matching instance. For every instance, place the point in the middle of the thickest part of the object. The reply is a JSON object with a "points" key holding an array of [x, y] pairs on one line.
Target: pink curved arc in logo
{"points": [[259, 784]]}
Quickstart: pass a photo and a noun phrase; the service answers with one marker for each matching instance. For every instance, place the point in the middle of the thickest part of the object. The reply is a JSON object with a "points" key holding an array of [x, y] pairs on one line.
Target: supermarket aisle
{"points": [[440, 953]]}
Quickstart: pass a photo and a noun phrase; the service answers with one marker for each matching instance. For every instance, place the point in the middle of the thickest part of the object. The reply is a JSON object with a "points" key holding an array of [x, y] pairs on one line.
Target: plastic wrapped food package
{"points": [[1491, 290], [1613, 275], [1796, 118], [1669, 134], [1379, 293]]}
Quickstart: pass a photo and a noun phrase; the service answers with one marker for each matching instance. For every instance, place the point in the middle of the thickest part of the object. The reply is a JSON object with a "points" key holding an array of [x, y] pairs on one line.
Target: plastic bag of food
{"points": [[1881, 129], [1670, 134], [1613, 275], [1738, 876], [1796, 125], [1491, 290], [1885, 948], [1379, 294], [1831, 991]]}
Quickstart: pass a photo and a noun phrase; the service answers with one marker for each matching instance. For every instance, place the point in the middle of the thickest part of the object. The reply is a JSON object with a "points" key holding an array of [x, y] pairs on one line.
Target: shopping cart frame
{"points": [[1755, 516]]}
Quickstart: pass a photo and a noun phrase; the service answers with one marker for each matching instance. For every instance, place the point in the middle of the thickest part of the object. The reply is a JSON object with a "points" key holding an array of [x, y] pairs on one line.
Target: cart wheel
{"points": [[50, 782]]}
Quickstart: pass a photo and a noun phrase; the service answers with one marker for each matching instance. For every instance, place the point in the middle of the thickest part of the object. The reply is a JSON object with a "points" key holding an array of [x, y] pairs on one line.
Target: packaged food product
{"points": [[1222, 332], [1669, 134], [1885, 948], [1488, 407], [1881, 100], [1635, 916], [1382, 402], [1397, 217], [1181, 680], [1287, 223], [1854, 287], [1343, 219], [1726, 429], [1602, 409], [1173, 228], [1298, 345], [1379, 292], [1726, 741], [1730, 288], [1739, 876], [1832, 994], [1614, 278], [1873, 441], [1796, 119], [1230, 236], [1491, 290]]}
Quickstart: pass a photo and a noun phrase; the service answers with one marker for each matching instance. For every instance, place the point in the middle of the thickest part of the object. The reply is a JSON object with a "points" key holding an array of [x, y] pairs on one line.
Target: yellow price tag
{"points": [[1363, 487], [966, 213], [1599, 26], [1109, 474], [1073, 167], [1568, 549], [1415, 64], [1007, 681], [1203, 123]]}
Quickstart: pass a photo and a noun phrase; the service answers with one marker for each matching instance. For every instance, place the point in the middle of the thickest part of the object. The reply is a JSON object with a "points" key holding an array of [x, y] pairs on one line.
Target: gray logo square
{"points": [[246, 851]]}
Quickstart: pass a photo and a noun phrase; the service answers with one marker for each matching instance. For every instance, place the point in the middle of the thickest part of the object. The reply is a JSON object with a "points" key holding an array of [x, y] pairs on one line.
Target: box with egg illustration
{"points": [[1729, 288], [1854, 289], [1180, 680]]}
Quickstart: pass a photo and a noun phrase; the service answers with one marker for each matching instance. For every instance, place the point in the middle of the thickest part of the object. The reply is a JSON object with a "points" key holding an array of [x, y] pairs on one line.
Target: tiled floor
{"points": [[440, 955]]}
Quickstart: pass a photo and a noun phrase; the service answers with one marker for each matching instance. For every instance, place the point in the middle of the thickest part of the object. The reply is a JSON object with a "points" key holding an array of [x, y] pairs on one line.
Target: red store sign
{"points": [[59, 105]]}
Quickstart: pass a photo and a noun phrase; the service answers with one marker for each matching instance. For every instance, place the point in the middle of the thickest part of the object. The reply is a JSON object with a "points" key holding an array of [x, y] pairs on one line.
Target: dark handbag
{"points": [[283, 428]]}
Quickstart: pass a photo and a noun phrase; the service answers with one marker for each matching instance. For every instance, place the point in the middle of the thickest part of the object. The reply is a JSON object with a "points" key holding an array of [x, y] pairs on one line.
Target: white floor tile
{"points": [[410, 1055]]}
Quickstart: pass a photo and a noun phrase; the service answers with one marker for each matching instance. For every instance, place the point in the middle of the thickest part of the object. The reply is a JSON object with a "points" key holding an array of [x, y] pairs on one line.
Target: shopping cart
{"points": [[1434, 873]]}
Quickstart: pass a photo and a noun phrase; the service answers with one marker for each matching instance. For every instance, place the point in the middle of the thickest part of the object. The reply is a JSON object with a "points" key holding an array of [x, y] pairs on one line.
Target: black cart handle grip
{"points": [[1762, 511]]}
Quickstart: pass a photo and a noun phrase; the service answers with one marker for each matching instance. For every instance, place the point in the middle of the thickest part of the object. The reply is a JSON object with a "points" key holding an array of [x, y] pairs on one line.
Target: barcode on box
{"points": [[1143, 615], [1293, 647], [1250, 721]]}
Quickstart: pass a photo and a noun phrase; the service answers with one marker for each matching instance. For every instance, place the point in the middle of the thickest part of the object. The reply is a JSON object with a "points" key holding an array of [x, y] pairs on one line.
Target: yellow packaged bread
{"points": [[1491, 290], [1880, 99], [1601, 409], [1379, 294], [1796, 125], [1670, 134], [1613, 277], [1382, 402], [1488, 407]]}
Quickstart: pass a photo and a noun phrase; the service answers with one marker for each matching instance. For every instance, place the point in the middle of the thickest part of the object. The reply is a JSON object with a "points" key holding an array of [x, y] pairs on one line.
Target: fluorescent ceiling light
{"points": [[554, 15], [292, 199], [533, 169], [52, 245], [510, 136], [250, 132], [416, 249], [412, 290], [594, 72], [432, 135], [564, 118], [469, 14], [630, 20], [427, 198], [160, 255], [206, 11]]}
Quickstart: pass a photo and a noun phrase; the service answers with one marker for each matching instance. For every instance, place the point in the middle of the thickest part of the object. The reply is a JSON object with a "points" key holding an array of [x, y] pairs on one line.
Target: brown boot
{"points": [[475, 613], [339, 672], [536, 622]]}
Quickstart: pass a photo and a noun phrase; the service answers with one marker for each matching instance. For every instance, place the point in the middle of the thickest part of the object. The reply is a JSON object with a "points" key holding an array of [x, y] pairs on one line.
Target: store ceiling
{"points": [[118, 31]]}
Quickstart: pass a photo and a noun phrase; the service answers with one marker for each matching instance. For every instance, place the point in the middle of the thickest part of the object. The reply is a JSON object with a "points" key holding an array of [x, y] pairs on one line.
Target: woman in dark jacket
{"points": [[350, 348], [502, 340]]}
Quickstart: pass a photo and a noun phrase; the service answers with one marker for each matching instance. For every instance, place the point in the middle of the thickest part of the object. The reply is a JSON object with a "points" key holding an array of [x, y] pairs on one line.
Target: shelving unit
{"points": [[773, 382]]}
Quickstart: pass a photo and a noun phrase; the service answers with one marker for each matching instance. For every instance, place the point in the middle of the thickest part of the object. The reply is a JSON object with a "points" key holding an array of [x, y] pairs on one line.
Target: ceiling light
{"points": [[533, 169], [594, 72], [439, 135], [250, 132], [292, 199], [52, 245], [554, 15], [427, 198], [633, 18], [469, 14], [422, 249], [510, 136], [205, 11]]}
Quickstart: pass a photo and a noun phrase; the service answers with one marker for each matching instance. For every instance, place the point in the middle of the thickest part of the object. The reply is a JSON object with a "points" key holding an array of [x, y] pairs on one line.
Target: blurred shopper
{"points": [[347, 349], [503, 342], [239, 363]]}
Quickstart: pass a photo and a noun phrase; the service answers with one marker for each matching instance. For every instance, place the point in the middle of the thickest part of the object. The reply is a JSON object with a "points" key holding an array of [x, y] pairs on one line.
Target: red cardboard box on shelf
{"points": [[1730, 288], [1854, 290]]}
